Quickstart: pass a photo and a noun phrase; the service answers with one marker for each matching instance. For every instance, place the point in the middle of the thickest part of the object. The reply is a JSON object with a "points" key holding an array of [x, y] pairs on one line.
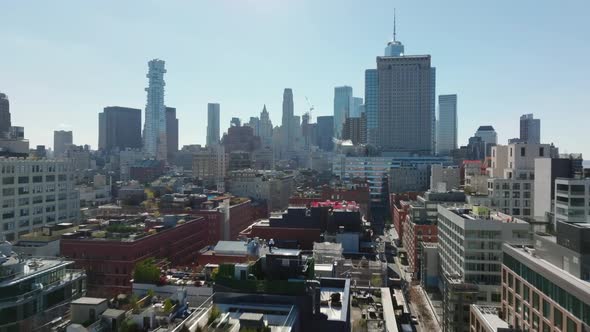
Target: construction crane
{"points": [[311, 108]]}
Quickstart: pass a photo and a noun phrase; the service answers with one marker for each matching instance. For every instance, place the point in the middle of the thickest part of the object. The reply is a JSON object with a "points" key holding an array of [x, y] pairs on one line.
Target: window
{"points": [[536, 300], [510, 152], [541, 152], [546, 308], [37, 179], [517, 288], [557, 318], [516, 212], [8, 192], [571, 325], [8, 180], [23, 179], [522, 151]]}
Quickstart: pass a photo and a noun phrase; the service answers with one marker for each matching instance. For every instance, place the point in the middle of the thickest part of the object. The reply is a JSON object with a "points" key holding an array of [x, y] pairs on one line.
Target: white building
{"points": [[572, 200], [154, 131], [512, 177], [443, 179], [34, 193], [210, 165], [470, 254], [446, 131], [271, 186]]}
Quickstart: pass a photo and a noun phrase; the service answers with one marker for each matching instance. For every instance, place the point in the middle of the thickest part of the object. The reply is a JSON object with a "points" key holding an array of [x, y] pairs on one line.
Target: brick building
{"points": [[399, 210], [109, 254]]}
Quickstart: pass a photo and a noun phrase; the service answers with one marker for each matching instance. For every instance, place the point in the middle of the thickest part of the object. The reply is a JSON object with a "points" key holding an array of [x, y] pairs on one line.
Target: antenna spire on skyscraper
{"points": [[394, 25]]}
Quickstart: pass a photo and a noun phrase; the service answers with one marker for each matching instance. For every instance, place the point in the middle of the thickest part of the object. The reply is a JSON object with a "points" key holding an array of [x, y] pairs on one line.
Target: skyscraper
{"points": [[265, 128], [4, 116], [213, 112], [371, 100], [119, 128], [171, 132], [489, 137], [154, 131], [447, 124], [405, 108], [357, 105], [325, 133], [287, 123], [61, 140], [343, 104], [530, 129]]}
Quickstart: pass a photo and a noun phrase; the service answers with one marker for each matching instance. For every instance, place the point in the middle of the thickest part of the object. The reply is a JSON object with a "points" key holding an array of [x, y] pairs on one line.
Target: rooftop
{"points": [[489, 316], [481, 213], [89, 301]]}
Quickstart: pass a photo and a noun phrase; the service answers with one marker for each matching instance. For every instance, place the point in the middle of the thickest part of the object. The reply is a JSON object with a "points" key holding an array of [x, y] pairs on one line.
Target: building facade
{"points": [[325, 133], [406, 104], [119, 128], [572, 200], [154, 130], [35, 193], [61, 140], [287, 134], [446, 131], [4, 116], [171, 133], [470, 252], [343, 104], [213, 116], [530, 129], [371, 104]]}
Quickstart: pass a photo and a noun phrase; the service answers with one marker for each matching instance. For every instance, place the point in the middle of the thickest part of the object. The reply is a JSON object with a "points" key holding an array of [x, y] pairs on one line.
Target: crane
{"points": [[311, 108]]}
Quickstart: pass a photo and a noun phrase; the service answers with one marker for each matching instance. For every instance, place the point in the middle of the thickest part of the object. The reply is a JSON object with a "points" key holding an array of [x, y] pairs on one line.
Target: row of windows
{"points": [[566, 300]]}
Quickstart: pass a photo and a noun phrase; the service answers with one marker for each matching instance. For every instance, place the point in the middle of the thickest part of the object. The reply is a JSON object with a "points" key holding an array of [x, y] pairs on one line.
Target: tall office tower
{"points": [[254, 123], [287, 136], [61, 140], [325, 133], [405, 108], [154, 131], [394, 47], [342, 107], [371, 100], [119, 128], [265, 128], [4, 116], [213, 113], [171, 132], [357, 106], [530, 129], [447, 124], [489, 137]]}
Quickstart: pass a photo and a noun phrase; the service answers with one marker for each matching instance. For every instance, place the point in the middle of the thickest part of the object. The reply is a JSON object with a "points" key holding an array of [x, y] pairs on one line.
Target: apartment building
{"points": [[34, 193]]}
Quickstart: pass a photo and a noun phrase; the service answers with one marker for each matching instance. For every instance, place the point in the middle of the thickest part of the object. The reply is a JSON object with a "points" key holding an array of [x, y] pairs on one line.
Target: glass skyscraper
{"points": [[447, 124], [154, 131], [343, 104], [371, 100]]}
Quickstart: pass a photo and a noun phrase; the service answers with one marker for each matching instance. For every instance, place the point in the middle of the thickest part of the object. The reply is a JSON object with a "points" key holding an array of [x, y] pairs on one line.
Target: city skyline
{"points": [[515, 80]]}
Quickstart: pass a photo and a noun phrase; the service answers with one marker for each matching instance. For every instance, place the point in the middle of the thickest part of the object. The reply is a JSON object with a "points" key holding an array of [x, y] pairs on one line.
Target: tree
{"points": [[168, 306], [147, 272], [128, 325], [213, 315]]}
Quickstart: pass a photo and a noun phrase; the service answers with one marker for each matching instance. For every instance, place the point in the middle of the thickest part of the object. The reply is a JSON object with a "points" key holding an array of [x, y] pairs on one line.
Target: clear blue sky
{"points": [[61, 62]]}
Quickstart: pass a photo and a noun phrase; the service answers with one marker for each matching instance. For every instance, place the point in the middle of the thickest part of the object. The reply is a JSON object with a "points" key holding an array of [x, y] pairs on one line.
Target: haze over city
{"points": [[64, 61]]}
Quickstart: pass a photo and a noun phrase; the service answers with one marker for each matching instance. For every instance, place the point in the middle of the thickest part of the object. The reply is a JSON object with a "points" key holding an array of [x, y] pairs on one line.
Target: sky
{"points": [[62, 62]]}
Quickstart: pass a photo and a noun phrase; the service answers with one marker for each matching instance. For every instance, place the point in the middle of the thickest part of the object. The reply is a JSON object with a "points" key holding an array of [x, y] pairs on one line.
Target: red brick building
{"points": [[399, 210], [414, 235], [109, 261]]}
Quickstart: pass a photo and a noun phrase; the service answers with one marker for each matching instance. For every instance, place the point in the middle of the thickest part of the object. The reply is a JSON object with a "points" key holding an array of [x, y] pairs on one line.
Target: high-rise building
{"points": [[61, 140], [171, 132], [447, 124], [371, 104], [357, 107], [343, 104], [119, 128], [489, 137], [530, 129], [154, 131], [265, 128], [213, 114], [287, 126], [4, 116], [325, 132], [405, 108]]}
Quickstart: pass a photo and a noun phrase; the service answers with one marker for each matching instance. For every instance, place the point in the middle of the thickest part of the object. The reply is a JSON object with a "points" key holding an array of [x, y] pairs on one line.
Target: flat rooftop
{"points": [[89, 301], [29, 268], [489, 316]]}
